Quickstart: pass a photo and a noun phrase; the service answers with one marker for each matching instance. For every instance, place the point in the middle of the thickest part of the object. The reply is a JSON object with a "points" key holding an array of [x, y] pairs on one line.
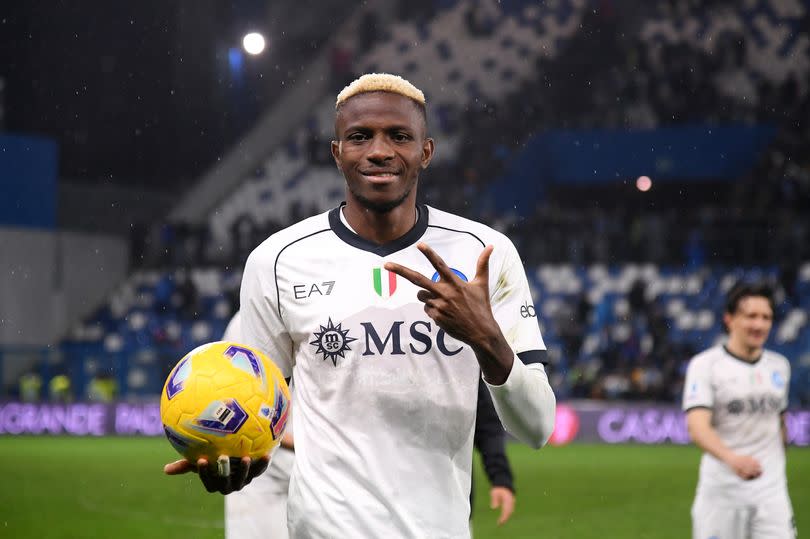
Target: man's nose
{"points": [[380, 150], [761, 323]]}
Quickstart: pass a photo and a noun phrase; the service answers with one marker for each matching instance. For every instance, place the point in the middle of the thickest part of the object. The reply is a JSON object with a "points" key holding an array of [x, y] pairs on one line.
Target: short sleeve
{"points": [[697, 389], [512, 303], [262, 324]]}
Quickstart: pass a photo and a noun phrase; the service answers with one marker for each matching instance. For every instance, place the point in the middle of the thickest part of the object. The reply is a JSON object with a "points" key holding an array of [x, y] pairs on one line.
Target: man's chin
{"points": [[381, 206], [756, 343]]}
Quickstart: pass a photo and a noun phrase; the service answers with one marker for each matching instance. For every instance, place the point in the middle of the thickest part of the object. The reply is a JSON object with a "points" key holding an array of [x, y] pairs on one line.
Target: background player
{"points": [[490, 441], [735, 396]]}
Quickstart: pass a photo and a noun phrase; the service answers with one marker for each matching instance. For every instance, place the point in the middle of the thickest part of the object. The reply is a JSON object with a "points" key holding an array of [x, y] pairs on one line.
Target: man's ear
{"points": [[727, 320], [336, 152], [427, 152]]}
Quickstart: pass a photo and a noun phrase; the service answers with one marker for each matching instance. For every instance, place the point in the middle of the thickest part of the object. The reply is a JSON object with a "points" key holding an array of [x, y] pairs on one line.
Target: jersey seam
{"points": [[460, 232], [275, 265]]}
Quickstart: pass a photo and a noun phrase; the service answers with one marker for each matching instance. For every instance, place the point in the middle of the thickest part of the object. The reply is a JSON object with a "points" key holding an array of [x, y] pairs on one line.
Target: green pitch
{"points": [[114, 488]]}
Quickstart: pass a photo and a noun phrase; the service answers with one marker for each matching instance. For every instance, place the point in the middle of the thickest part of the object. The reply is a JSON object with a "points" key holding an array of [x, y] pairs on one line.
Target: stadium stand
{"points": [[625, 297], [622, 332]]}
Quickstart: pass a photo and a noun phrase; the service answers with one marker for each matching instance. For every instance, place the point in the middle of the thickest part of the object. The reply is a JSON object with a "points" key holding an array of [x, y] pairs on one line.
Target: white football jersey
{"points": [[385, 399], [746, 400]]}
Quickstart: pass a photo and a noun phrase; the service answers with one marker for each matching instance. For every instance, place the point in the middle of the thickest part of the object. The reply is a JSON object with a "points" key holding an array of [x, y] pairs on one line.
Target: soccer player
{"points": [[735, 396], [386, 313]]}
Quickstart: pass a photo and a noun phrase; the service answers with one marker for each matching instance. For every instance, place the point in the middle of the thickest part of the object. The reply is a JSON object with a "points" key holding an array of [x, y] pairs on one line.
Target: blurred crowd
{"points": [[637, 73]]}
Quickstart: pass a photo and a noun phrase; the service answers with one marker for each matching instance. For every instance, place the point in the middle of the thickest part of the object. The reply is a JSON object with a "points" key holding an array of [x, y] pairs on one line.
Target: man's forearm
{"points": [[707, 439], [526, 403]]}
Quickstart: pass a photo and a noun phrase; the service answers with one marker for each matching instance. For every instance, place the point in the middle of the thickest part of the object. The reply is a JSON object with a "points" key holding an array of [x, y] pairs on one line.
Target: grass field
{"points": [[114, 488]]}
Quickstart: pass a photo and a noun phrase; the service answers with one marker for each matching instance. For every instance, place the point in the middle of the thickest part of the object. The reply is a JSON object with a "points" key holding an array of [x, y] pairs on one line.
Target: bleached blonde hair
{"points": [[380, 82]]}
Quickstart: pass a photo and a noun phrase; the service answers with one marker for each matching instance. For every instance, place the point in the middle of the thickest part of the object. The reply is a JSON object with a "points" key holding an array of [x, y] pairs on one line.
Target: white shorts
{"points": [[715, 518], [259, 511]]}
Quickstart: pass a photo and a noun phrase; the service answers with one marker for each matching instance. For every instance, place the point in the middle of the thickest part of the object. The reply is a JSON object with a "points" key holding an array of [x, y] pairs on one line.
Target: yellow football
{"points": [[224, 398]]}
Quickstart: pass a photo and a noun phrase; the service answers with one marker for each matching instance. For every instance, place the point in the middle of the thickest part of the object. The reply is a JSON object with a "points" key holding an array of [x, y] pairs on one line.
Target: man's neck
{"points": [[743, 352], [380, 228]]}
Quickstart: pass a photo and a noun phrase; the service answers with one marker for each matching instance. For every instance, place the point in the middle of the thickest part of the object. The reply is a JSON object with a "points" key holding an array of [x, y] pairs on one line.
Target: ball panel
{"points": [[178, 376], [183, 443]]}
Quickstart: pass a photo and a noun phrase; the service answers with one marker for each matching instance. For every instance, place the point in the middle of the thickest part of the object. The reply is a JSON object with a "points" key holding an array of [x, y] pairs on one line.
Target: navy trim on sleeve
{"points": [[534, 356], [698, 406]]}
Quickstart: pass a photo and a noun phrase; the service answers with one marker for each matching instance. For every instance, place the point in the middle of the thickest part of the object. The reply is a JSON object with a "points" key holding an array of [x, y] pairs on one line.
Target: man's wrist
{"points": [[495, 370], [727, 457], [495, 357]]}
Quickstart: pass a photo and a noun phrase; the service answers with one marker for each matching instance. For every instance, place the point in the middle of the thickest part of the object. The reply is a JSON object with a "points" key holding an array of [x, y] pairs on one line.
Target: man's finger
{"points": [[223, 466], [413, 276], [209, 481], [445, 273], [482, 267], [425, 295], [178, 467], [506, 511], [258, 467], [431, 311], [241, 478]]}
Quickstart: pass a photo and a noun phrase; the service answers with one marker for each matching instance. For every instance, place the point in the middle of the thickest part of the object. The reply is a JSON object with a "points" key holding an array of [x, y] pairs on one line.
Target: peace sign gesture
{"points": [[463, 310]]}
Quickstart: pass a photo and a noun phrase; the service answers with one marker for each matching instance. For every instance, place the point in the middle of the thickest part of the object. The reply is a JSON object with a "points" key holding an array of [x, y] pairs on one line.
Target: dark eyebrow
{"points": [[359, 127], [400, 128], [365, 129]]}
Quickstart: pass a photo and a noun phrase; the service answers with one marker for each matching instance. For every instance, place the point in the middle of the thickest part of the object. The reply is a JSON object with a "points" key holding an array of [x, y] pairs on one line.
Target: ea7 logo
{"points": [[303, 291], [527, 310]]}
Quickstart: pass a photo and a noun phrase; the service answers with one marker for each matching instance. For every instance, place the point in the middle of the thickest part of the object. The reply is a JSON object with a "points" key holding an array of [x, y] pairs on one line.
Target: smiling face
{"points": [[749, 325], [381, 148]]}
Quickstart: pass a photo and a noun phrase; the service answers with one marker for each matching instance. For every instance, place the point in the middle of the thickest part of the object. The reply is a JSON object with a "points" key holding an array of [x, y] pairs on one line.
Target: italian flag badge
{"points": [[385, 282]]}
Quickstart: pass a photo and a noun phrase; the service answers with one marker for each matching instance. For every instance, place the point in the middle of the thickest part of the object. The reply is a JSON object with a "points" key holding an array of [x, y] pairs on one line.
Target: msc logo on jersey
{"points": [[755, 404], [399, 339], [394, 339], [332, 342]]}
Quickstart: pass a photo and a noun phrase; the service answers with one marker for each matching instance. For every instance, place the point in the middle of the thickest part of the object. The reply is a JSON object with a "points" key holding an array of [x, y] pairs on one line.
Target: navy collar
{"points": [[406, 240], [740, 358]]}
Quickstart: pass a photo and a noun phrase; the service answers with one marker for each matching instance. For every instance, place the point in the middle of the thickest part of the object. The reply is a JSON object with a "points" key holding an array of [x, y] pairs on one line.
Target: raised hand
{"points": [[225, 476], [460, 308], [463, 310]]}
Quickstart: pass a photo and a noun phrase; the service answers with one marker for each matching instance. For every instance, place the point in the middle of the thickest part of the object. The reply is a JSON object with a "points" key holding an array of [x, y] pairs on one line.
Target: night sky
{"points": [[136, 93]]}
